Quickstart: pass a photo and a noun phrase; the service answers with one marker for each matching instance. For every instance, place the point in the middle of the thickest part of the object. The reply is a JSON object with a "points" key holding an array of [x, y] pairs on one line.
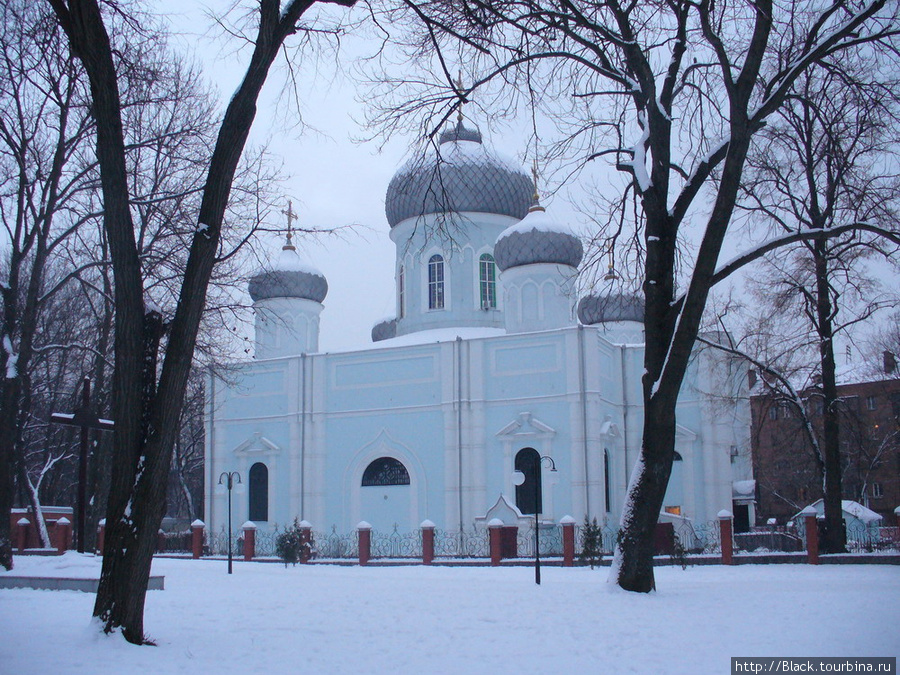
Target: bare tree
{"points": [[147, 407], [828, 160], [691, 84]]}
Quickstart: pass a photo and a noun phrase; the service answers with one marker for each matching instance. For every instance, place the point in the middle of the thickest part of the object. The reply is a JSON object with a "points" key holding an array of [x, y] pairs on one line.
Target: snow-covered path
{"points": [[324, 619]]}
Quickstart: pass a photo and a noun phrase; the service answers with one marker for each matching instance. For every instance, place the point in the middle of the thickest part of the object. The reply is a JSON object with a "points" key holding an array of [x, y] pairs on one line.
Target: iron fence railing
{"points": [[685, 538]]}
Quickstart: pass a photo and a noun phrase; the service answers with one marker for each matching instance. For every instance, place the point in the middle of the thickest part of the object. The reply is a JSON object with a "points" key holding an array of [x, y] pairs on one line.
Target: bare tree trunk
{"points": [[146, 415], [835, 538]]}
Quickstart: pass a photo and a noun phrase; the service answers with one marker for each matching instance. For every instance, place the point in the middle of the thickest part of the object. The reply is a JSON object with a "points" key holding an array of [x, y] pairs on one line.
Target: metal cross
{"points": [[289, 212], [85, 419]]}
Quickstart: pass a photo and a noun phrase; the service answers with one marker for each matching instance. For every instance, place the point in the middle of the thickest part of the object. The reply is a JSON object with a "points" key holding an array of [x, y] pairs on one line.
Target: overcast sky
{"points": [[335, 181]]}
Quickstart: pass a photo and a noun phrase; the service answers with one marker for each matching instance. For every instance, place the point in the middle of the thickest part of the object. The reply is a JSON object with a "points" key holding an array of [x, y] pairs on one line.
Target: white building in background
{"points": [[486, 367]]}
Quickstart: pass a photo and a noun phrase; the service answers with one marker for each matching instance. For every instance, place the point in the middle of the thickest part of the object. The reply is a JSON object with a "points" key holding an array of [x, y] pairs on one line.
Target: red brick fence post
{"points": [[305, 541], [495, 528], [22, 525], [101, 535], [63, 534], [812, 535], [726, 535], [568, 540], [427, 542], [249, 540], [364, 531], [197, 528]]}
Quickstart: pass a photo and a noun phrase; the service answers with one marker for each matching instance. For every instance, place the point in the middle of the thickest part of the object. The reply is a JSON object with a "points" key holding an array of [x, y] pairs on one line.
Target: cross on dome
{"points": [[291, 216]]}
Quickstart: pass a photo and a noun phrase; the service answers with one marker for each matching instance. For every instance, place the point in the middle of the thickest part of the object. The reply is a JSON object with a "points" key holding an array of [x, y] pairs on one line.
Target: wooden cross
{"points": [[289, 212], [85, 419]]}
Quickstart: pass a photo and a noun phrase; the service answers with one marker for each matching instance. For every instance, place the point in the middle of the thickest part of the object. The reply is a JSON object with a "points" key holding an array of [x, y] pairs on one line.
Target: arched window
{"points": [[487, 277], [528, 494], [259, 492], [436, 282], [385, 471], [678, 457], [606, 480]]}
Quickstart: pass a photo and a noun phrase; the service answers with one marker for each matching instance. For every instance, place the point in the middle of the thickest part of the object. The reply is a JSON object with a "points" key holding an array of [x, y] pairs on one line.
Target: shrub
{"points": [[289, 545]]}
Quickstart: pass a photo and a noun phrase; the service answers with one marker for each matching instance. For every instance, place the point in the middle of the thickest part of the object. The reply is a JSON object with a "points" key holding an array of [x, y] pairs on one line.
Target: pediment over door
{"points": [[257, 445], [526, 426]]}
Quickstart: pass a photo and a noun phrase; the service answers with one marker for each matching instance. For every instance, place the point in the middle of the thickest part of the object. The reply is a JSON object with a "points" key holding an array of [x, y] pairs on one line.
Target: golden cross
{"points": [[290, 216]]}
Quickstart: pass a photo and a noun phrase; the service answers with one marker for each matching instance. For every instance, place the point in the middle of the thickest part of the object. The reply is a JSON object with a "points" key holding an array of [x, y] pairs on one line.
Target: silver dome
{"points": [[289, 278], [384, 330], [536, 240], [594, 309], [462, 176]]}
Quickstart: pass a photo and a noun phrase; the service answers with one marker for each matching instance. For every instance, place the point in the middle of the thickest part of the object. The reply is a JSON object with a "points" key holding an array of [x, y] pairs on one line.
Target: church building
{"points": [[493, 392]]}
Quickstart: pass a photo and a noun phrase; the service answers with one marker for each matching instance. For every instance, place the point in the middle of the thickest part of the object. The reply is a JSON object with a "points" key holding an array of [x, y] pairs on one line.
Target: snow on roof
{"points": [[743, 488], [850, 507], [425, 337]]}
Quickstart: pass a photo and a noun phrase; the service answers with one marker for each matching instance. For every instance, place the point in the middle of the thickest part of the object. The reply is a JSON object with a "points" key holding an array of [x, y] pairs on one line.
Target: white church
{"points": [[492, 366]]}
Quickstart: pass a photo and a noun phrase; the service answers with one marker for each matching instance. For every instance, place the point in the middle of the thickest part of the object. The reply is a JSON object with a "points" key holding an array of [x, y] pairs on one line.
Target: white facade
{"points": [[476, 371]]}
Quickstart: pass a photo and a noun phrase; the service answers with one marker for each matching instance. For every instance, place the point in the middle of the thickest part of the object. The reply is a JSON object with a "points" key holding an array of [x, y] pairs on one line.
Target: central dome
{"points": [[463, 175]]}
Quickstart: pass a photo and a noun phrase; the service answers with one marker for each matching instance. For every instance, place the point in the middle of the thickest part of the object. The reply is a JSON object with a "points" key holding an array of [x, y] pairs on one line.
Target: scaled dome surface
{"points": [[594, 309], [537, 239], [289, 277], [463, 175]]}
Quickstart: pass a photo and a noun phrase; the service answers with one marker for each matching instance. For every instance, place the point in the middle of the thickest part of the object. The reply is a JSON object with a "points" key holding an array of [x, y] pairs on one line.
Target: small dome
{"points": [[463, 176], [537, 239], [289, 277], [594, 309], [384, 330]]}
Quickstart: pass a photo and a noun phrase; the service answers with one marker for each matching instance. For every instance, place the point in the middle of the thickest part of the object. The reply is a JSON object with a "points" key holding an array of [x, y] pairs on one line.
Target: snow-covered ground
{"points": [[266, 618]]}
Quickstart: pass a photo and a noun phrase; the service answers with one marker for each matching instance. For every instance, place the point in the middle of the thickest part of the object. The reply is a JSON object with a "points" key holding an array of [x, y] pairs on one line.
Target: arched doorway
{"points": [[385, 495], [528, 494]]}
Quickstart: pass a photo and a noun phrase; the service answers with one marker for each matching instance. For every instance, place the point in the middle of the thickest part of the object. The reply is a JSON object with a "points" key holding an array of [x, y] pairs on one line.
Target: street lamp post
{"points": [[537, 501], [229, 478]]}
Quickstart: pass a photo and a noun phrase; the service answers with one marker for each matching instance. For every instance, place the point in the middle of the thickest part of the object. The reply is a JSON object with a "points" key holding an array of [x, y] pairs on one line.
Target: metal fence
{"points": [[684, 539]]}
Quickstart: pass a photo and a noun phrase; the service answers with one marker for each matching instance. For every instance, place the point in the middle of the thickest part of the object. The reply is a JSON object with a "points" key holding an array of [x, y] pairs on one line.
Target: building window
{"points": [[488, 281], [259, 492], [606, 480], [871, 402], [674, 510], [773, 412], [877, 490], [385, 471], [401, 292], [528, 494], [436, 282]]}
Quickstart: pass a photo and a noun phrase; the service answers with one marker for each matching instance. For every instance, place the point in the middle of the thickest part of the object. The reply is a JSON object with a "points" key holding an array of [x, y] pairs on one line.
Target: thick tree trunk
{"points": [[633, 562], [835, 536]]}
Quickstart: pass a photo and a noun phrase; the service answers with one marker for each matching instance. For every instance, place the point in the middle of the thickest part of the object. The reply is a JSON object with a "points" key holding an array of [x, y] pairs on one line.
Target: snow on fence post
{"points": [[427, 542], [305, 541], [812, 535], [495, 528], [63, 534], [568, 537], [364, 531], [726, 536], [249, 540], [101, 535], [22, 533], [197, 528], [160, 541]]}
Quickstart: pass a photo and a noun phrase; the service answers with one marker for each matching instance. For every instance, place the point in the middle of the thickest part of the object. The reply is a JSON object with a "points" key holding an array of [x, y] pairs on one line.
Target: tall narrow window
{"points": [[606, 480], [259, 492], [488, 281], [436, 282], [401, 292]]}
